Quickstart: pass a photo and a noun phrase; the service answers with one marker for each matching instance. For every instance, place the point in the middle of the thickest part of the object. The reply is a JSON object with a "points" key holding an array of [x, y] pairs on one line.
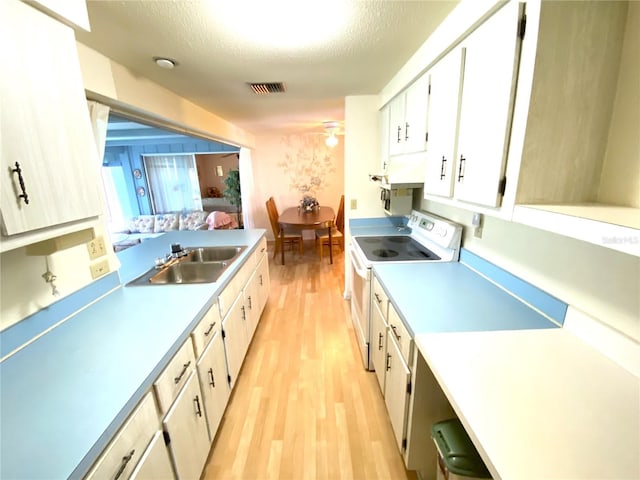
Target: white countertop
{"points": [[540, 404]]}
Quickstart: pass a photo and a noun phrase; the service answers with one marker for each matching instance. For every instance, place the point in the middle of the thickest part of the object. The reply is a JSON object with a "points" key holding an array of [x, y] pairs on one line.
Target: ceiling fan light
{"points": [[331, 140]]}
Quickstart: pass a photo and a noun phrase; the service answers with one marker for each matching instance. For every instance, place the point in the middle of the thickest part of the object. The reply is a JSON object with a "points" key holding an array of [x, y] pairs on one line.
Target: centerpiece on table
{"points": [[309, 204]]}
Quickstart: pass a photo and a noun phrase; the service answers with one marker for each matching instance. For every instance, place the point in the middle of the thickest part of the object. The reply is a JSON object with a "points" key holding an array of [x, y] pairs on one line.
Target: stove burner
{"points": [[385, 253]]}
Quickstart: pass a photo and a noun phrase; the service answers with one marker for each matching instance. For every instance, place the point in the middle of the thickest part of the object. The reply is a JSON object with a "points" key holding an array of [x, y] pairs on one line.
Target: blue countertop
{"points": [[65, 395], [436, 297]]}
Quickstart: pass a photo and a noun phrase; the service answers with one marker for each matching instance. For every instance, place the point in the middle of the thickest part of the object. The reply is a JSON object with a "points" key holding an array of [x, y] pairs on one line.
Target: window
{"points": [[173, 183]]}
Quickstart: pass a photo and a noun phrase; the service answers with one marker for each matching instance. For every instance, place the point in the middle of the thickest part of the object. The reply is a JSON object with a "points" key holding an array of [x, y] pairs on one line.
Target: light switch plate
{"points": [[354, 204]]}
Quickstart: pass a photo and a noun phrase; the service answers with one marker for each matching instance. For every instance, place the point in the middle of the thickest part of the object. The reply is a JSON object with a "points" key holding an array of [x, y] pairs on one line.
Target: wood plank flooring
{"points": [[303, 406]]}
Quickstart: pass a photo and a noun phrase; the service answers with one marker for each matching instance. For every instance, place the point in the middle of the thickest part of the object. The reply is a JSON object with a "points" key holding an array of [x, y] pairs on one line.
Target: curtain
{"points": [[99, 122], [173, 183], [249, 209]]}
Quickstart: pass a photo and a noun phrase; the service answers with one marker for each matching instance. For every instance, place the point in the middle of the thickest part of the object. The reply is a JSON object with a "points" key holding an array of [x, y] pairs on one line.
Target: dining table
{"points": [[300, 219]]}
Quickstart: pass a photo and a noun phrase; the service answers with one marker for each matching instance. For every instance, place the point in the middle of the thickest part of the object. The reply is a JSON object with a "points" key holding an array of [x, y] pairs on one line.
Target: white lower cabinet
{"points": [[396, 389], [379, 344], [234, 333], [155, 463], [212, 372], [123, 453], [264, 282], [185, 426], [412, 395]]}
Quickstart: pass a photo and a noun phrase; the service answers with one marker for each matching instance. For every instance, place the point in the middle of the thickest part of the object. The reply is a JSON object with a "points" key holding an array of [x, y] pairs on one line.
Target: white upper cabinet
{"points": [[408, 119], [486, 105], [48, 155], [445, 83]]}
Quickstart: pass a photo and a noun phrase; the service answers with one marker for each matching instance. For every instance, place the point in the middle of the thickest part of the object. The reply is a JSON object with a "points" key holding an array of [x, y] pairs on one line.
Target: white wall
{"points": [[23, 291], [283, 164], [362, 156], [599, 281]]}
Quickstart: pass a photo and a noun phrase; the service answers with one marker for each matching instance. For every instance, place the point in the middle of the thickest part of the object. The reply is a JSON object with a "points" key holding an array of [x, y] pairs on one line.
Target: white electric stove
{"points": [[427, 238]]}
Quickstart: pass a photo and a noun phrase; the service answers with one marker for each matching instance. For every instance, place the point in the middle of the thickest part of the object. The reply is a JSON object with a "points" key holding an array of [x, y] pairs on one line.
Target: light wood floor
{"points": [[303, 406]]}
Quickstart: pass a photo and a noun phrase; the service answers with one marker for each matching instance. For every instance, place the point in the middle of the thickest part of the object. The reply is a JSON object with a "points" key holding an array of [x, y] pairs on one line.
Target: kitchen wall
{"points": [[362, 156], [289, 166], [599, 281], [23, 290]]}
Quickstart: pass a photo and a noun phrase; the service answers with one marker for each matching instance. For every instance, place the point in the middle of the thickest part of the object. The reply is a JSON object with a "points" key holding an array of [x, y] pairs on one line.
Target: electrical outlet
{"points": [[99, 268], [354, 204], [96, 248]]}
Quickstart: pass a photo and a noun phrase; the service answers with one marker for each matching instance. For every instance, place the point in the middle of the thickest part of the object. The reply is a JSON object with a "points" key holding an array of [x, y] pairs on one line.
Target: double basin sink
{"points": [[195, 265]]}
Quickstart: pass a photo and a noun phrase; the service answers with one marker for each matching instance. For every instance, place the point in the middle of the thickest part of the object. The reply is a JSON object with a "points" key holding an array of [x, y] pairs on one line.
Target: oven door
{"points": [[360, 302]]}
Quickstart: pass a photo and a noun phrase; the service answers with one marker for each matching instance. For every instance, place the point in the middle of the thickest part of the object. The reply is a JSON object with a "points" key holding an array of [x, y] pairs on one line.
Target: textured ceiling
{"points": [[359, 52]]}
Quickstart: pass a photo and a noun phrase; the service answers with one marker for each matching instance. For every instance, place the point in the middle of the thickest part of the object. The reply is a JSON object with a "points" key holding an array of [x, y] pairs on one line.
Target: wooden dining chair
{"points": [[290, 237], [337, 232]]}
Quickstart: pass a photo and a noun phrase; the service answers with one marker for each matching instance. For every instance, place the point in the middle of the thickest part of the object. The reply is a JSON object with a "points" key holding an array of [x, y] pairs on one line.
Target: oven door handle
{"points": [[355, 261]]}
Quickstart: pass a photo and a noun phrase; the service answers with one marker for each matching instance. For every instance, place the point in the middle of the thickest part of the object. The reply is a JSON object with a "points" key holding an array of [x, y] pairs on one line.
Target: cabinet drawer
{"points": [[260, 251], [400, 333], [125, 450], [206, 329], [235, 286], [379, 297], [174, 376]]}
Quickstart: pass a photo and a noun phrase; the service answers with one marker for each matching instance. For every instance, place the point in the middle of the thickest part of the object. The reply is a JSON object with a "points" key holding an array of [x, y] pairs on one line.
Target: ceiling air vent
{"points": [[266, 88]]}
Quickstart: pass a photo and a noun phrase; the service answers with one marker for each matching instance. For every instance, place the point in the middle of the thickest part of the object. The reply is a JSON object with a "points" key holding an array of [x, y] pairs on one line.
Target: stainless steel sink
{"points": [[213, 254], [199, 265], [190, 272]]}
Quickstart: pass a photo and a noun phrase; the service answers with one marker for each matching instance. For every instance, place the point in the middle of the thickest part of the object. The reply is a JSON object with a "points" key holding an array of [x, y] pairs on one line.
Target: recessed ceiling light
{"points": [[164, 62]]}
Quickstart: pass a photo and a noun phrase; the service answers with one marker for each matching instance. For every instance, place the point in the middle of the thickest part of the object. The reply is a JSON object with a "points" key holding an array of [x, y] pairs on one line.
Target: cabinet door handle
{"points": [[184, 370], [244, 315], [211, 325], [24, 194], [125, 460], [261, 280], [395, 333], [212, 380], [406, 131], [250, 304], [388, 362], [399, 130], [198, 409], [442, 165], [380, 341], [460, 171], [378, 299]]}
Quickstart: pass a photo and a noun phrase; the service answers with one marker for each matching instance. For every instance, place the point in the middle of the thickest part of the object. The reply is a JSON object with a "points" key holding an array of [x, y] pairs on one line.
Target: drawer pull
{"points": [[250, 304], [380, 336], [198, 409], [206, 334], [388, 362], [212, 380], [125, 460], [395, 334], [184, 370], [261, 280]]}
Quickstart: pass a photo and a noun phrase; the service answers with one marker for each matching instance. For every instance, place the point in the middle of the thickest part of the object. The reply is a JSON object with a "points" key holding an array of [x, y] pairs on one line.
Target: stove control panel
{"points": [[440, 230]]}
